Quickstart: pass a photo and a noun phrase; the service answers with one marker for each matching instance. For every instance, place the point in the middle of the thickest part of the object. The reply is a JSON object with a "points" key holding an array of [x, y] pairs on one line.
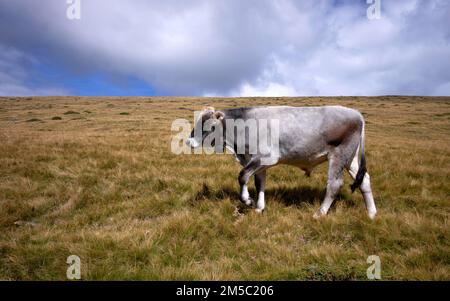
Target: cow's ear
{"points": [[219, 115]]}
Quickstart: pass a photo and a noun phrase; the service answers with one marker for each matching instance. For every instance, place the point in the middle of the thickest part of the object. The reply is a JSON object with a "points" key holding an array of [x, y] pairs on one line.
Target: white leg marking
{"points": [[333, 186], [260, 205], [246, 196], [368, 197], [365, 188]]}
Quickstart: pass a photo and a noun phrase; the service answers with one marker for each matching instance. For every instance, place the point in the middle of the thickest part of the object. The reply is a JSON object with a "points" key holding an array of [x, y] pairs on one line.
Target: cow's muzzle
{"points": [[191, 142]]}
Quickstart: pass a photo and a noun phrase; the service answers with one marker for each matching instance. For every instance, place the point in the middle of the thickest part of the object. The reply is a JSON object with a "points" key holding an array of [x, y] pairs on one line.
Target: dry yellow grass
{"points": [[95, 177]]}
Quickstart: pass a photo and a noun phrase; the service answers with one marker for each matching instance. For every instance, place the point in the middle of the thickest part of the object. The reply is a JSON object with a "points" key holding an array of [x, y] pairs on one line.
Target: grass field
{"points": [[95, 177]]}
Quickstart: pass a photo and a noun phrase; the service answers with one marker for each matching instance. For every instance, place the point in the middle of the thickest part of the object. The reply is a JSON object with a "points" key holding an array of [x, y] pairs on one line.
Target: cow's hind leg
{"points": [[365, 188], [260, 183], [334, 184]]}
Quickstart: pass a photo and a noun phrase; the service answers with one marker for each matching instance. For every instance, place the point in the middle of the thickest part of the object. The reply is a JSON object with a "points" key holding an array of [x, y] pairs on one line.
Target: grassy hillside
{"points": [[95, 177]]}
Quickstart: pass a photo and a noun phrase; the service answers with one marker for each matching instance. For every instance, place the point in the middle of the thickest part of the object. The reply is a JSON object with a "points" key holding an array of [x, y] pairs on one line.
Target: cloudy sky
{"points": [[224, 47]]}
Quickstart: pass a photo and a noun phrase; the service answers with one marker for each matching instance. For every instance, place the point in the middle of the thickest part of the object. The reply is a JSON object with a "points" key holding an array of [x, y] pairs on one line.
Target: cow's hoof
{"points": [[259, 211], [249, 202], [372, 215], [319, 214]]}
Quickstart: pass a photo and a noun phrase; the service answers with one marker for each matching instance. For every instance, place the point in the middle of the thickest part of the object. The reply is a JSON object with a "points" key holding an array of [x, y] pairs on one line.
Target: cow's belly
{"points": [[304, 160], [303, 152]]}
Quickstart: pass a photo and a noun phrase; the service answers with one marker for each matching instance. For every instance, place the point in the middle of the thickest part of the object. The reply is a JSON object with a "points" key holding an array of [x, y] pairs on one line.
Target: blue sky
{"points": [[224, 48]]}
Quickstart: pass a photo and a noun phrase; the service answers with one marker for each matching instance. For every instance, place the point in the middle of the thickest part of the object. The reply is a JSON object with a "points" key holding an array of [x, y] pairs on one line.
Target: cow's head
{"points": [[205, 124]]}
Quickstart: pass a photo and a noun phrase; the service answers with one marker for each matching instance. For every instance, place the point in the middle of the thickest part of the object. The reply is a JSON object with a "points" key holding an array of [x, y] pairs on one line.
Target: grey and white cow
{"points": [[308, 136]]}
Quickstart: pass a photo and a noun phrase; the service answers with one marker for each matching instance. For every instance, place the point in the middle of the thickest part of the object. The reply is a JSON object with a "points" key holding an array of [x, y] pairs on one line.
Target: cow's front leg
{"points": [[244, 176], [245, 196], [260, 183]]}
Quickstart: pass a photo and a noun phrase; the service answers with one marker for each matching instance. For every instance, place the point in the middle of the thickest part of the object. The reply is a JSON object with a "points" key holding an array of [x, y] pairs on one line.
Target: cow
{"points": [[307, 137]]}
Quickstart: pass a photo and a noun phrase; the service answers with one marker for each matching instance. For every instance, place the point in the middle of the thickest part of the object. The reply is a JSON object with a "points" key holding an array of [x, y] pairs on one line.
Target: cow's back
{"points": [[305, 133]]}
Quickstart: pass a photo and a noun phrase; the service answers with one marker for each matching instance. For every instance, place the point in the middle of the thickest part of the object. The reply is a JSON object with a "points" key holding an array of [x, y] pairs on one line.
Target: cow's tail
{"points": [[362, 163]]}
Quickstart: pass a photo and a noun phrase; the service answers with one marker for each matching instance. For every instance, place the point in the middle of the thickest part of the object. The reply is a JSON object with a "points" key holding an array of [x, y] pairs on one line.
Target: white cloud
{"points": [[268, 89]]}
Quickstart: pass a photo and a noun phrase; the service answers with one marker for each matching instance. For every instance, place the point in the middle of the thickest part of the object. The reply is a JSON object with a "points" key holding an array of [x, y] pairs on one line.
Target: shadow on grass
{"points": [[287, 196]]}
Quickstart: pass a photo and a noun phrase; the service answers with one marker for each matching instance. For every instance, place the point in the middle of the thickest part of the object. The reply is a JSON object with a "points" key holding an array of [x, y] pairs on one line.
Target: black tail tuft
{"points": [[360, 175]]}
